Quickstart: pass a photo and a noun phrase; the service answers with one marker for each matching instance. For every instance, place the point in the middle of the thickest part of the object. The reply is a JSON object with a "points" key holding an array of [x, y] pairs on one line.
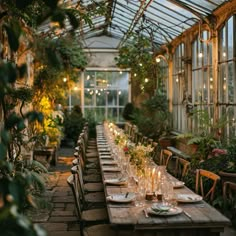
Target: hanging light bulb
{"points": [[158, 59], [146, 80]]}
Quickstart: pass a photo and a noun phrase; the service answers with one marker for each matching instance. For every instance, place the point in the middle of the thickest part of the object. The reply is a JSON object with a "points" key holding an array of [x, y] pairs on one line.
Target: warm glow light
{"points": [[211, 86], [158, 59], [146, 80], [200, 54], [64, 79], [76, 88], [224, 54], [224, 78], [140, 64], [88, 77], [224, 87], [211, 79], [135, 74], [119, 92], [177, 80], [121, 72]]}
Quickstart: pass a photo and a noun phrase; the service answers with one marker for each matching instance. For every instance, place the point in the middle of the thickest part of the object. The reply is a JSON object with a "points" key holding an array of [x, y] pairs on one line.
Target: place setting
{"points": [[121, 200], [162, 209], [122, 181], [111, 168], [188, 198]]}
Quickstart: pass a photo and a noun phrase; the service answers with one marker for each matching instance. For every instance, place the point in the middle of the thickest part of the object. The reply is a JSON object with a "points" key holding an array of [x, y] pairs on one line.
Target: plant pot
{"points": [[227, 176], [166, 142]]}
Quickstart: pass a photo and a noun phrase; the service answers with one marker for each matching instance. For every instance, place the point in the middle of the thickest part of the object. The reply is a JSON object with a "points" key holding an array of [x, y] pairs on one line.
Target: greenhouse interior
{"points": [[118, 117]]}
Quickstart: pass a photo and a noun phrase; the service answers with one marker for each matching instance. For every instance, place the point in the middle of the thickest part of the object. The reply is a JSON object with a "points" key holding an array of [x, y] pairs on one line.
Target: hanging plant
{"points": [[137, 55]]}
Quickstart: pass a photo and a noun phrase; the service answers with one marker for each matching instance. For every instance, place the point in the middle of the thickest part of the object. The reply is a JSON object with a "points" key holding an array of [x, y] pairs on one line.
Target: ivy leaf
{"points": [[21, 125], [13, 31], [53, 58], [22, 70], [73, 20], [59, 17], [51, 3], [23, 3], [3, 151], [11, 72], [11, 121]]}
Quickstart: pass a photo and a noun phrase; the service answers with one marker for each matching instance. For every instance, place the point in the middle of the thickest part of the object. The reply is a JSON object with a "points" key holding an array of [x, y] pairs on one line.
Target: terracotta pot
{"points": [[166, 142]]}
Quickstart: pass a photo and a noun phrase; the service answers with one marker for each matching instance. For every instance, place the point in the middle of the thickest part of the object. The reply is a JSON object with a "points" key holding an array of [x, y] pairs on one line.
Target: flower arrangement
{"points": [[139, 153], [121, 139]]}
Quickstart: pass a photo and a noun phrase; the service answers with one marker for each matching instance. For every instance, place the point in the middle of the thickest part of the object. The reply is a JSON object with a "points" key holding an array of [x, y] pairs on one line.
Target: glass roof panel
{"points": [[165, 19]]}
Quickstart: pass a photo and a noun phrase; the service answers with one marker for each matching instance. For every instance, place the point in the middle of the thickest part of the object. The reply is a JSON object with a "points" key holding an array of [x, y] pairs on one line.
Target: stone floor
{"points": [[58, 217]]}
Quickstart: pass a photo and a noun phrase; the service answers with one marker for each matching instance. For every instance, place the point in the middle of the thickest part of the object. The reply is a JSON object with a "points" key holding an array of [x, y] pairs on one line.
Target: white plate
{"points": [[121, 197], [111, 168], [171, 212], [178, 184], [106, 157], [160, 207], [108, 162], [188, 198], [120, 181]]}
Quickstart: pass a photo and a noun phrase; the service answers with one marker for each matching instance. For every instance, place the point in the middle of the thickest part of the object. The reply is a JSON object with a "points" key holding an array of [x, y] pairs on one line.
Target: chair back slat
{"points": [[181, 168], [201, 177], [165, 157], [75, 192]]}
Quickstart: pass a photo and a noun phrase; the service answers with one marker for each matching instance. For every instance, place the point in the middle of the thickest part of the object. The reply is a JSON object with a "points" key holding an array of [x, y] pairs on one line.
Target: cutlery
{"points": [[145, 213], [187, 214]]}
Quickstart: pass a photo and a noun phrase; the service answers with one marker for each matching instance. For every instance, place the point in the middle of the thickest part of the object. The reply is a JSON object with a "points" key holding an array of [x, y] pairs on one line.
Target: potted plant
{"points": [[228, 171], [154, 119]]}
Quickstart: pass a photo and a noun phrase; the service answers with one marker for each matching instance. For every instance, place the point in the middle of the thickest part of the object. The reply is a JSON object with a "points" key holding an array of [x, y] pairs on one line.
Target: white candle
{"points": [[159, 175], [153, 174]]}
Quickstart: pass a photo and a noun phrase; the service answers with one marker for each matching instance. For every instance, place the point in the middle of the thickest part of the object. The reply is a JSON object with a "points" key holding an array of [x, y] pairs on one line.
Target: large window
{"points": [[227, 76], [179, 89], [202, 78], [105, 94]]}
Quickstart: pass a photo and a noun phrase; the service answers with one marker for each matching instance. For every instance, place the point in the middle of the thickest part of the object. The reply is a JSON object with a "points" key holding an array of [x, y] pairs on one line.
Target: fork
{"points": [[145, 213]]}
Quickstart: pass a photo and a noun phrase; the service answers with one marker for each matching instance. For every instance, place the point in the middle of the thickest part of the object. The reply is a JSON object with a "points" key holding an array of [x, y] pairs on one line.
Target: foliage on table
{"points": [[139, 154]]}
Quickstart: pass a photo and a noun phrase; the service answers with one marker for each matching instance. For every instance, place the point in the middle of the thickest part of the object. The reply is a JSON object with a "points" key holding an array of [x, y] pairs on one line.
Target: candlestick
{"points": [[153, 174]]}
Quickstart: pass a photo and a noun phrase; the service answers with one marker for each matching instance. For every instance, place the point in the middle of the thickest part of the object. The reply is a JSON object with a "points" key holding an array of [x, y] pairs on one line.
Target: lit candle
{"points": [[153, 173]]}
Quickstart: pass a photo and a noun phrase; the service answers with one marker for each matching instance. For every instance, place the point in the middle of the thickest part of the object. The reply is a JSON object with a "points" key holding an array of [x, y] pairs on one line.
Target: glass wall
{"points": [[202, 79], [105, 94], [179, 89], [227, 76]]}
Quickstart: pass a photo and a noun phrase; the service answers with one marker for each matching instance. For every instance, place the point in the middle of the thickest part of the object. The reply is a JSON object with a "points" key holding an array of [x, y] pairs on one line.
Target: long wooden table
{"points": [[197, 219]]}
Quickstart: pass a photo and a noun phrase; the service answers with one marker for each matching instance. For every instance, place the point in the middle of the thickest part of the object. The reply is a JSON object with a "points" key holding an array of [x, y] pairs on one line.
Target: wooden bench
{"points": [[177, 152], [49, 153]]}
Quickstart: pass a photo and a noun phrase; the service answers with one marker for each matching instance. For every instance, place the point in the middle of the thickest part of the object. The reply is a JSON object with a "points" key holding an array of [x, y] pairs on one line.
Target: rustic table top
{"points": [[195, 215]]}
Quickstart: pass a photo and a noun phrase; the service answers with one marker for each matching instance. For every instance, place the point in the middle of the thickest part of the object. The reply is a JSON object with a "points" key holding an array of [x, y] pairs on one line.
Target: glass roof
{"points": [[163, 20]]}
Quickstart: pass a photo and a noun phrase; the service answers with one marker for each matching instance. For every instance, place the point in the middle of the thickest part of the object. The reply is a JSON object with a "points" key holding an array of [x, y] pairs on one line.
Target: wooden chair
{"points": [[165, 157], [92, 216], [207, 188], [181, 168], [229, 191], [89, 199]]}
